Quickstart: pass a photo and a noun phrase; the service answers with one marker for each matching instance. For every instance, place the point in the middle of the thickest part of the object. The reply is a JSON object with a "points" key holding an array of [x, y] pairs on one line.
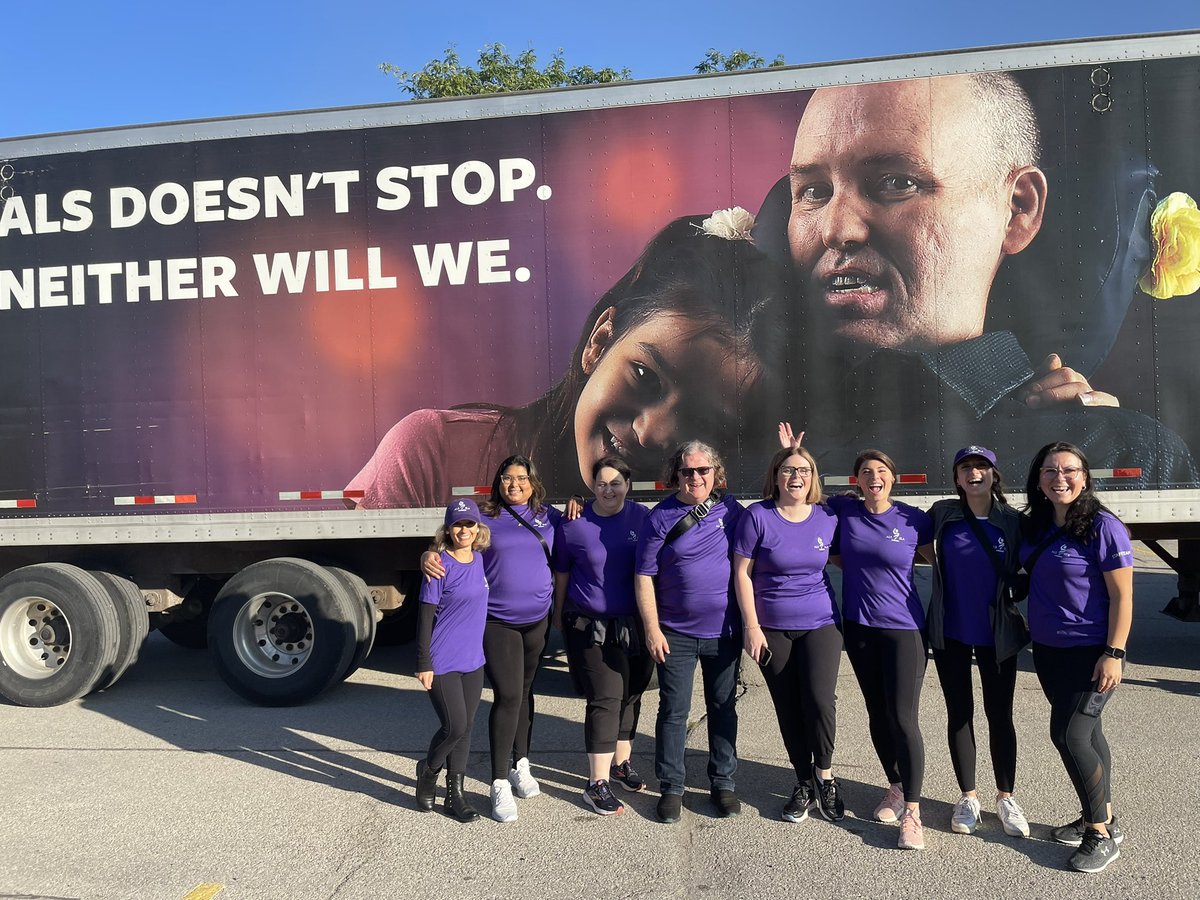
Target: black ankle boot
{"points": [[427, 780], [456, 801]]}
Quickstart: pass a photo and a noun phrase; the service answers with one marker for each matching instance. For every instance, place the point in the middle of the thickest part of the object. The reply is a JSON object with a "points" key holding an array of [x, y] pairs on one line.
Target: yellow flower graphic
{"points": [[1175, 271]]}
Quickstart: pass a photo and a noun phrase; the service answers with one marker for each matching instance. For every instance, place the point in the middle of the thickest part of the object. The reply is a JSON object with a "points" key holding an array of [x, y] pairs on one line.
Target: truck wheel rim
{"points": [[35, 638], [273, 635]]}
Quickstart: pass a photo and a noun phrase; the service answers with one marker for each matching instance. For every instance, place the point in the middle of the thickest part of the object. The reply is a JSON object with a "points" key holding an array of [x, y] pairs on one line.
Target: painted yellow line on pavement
{"points": [[204, 892]]}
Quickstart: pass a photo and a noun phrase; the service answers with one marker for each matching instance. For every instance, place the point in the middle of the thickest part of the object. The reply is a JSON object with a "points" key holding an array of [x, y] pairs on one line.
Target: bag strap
{"points": [[541, 540], [691, 518], [977, 530]]}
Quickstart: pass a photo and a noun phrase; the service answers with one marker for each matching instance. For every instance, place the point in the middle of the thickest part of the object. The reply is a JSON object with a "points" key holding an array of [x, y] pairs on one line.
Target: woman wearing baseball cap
{"points": [[972, 612], [453, 611]]}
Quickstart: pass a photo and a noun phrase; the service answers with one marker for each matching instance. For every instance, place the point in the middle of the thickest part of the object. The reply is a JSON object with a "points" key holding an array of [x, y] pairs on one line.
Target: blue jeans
{"points": [[718, 667]]}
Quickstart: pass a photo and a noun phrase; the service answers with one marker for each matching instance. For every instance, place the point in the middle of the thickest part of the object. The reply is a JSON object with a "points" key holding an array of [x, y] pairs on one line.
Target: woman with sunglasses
{"points": [[683, 591], [520, 592], [791, 621], [1080, 563]]}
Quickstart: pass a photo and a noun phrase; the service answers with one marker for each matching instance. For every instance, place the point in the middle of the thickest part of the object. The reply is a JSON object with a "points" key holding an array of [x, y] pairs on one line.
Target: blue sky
{"points": [[79, 64]]}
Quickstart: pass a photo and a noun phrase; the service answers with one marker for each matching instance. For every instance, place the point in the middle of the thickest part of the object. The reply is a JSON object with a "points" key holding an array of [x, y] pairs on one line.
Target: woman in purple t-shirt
{"points": [[595, 610], [1080, 563], [971, 614], [790, 621], [883, 621], [520, 592], [450, 654]]}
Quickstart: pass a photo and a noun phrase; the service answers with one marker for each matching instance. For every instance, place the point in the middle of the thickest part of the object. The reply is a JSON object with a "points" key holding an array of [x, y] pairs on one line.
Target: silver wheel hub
{"points": [[35, 638], [273, 635]]}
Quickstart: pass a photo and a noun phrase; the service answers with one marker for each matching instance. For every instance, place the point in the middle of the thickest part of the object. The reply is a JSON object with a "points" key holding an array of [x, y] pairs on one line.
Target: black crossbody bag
{"points": [[690, 519]]}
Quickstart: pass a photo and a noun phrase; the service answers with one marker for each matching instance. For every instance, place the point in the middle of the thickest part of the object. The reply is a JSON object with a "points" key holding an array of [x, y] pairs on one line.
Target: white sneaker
{"points": [[523, 783], [966, 816], [1012, 817], [891, 807], [504, 807]]}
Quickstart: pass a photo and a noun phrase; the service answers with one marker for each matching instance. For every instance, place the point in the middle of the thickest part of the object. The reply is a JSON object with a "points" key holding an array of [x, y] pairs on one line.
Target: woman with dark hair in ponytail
{"points": [[1080, 563]]}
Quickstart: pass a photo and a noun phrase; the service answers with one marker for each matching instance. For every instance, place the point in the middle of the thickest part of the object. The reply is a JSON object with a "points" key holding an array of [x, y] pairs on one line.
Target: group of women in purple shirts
{"points": [[699, 579]]}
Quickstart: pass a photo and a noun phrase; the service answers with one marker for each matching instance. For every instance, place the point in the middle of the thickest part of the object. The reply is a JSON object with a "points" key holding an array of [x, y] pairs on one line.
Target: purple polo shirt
{"points": [[791, 590], [693, 588], [599, 553], [1068, 598], [970, 583], [878, 551], [461, 598], [517, 572]]}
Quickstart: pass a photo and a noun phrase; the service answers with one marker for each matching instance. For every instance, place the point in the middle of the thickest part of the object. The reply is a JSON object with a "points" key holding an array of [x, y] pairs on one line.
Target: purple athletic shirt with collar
{"points": [[970, 582], [599, 553], [791, 589], [693, 583], [521, 587], [878, 551], [461, 598], [1068, 598]]}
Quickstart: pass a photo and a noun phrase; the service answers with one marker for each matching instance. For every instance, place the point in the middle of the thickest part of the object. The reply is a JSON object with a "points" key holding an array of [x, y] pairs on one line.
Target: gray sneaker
{"points": [[1095, 852], [1072, 833], [965, 818]]}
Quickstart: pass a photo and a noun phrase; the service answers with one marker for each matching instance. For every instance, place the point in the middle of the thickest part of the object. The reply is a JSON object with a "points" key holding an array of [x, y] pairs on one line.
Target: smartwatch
{"points": [[1114, 652]]}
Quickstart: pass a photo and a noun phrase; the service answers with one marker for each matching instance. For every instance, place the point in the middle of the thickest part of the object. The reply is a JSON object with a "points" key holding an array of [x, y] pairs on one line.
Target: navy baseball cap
{"points": [[975, 450], [464, 509]]}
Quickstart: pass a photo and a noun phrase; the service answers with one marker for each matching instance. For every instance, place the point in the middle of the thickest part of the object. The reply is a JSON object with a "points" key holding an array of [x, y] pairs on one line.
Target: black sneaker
{"points": [[1095, 852], [829, 800], [796, 809], [599, 796], [726, 803], [626, 777], [670, 808], [1072, 833]]}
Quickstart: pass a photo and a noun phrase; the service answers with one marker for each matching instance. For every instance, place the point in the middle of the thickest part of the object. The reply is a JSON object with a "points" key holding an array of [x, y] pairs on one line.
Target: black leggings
{"points": [[802, 678], [613, 682], [1066, 675], [455, 697], [999, 686], [512, 654], [889, 664]]}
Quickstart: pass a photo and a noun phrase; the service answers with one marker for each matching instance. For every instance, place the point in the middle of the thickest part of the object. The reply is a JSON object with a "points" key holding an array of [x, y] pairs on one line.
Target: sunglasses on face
{"points": [[702, 471]]}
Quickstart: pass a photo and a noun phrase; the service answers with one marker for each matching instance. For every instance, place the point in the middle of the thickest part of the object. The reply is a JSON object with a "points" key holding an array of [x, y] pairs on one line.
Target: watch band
{"points": [[1115, 652]]}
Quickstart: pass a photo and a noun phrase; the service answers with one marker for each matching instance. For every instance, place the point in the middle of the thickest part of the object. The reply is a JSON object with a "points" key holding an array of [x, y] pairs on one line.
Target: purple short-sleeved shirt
{"points": [[971, 582], [693, 583], [461, 598], [1068, 598], [521, 587], [791, 590], [878, 551], [599, 553]]}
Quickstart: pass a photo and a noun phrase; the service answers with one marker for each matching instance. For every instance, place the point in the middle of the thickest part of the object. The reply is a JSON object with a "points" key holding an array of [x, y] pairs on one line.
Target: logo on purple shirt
{"points": [[896, 537]]}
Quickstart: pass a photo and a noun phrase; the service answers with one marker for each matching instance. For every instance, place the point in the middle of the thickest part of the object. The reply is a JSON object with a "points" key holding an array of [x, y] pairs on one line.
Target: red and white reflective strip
{"points": [[154, 500], [321, 495], [1116, 473], [469, 491], [850, 479], [29, 503], [647, 486]]}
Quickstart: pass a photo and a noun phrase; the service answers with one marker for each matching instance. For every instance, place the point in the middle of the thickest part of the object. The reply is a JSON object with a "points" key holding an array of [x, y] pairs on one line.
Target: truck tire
{"points": [[360, 596], [133, 623], [187, 625], [59, 634], [281, 631]]}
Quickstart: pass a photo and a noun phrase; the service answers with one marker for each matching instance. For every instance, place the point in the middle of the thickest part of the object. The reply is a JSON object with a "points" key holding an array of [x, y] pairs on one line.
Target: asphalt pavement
{"points": [[170, 786]]}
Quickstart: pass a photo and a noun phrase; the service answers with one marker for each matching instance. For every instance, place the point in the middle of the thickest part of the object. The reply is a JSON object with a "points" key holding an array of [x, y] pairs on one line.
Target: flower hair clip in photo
{"points": [[733, 224], [1175, 227]]}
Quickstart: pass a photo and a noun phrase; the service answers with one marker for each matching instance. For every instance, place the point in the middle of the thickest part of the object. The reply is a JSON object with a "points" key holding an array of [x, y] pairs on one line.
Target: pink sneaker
{"points": [[912, 836], [891, 807]]}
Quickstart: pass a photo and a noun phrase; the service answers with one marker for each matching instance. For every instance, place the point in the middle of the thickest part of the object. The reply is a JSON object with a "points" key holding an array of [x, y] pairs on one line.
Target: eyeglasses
{"points": [[702, 471], [789, 471], [518, 479], [1068, 472]]}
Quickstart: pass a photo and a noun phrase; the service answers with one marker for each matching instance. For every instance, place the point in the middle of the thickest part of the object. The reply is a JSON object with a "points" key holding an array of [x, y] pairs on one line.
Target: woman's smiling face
{"points": [[664, 380]]}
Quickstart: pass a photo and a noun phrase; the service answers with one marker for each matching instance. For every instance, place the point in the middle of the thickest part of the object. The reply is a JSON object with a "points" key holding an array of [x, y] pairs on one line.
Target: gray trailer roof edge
{"points": [[618, 94]]}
